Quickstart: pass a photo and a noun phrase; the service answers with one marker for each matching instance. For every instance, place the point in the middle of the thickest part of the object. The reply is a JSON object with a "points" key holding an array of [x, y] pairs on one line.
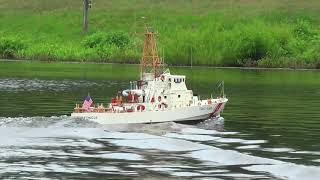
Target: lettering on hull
{"points": [[92, 117], [205, 108]]}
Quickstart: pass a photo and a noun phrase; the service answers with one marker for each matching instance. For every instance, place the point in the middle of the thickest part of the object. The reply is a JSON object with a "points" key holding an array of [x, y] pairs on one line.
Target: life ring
{"points": [[140, 107], [159, 98]]}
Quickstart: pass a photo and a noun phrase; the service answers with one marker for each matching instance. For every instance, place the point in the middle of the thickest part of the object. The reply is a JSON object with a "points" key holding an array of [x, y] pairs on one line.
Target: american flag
{"points": [[87, 102], [221, 84]]}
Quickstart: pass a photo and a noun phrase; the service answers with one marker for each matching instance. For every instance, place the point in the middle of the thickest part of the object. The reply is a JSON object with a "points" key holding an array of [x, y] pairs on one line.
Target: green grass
{"points": [[264, 33]]}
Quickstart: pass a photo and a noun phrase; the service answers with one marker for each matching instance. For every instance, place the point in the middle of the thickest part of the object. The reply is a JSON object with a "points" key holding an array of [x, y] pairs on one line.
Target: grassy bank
{"points": [[263, 33]]}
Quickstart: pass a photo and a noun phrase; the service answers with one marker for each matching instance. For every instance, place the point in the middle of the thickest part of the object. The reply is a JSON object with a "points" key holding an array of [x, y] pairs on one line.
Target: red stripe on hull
{"points": [[216, 110]]}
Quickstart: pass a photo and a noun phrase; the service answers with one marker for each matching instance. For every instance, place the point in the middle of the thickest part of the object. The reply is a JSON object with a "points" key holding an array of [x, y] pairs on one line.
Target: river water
{"points": [[270, 130]]}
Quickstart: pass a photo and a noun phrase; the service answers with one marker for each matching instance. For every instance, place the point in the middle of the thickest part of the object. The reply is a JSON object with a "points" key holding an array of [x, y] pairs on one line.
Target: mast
{"points": [[150, 63]]}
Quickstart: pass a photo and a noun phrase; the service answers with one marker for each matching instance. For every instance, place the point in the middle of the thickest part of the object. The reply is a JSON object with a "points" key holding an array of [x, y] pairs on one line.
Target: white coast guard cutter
{"points": [[157, 97]]}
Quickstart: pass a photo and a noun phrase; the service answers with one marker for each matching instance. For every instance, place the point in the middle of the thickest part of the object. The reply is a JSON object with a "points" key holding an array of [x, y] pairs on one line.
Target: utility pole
{"points": [[193, 3], [86, 5], [191, 55]]}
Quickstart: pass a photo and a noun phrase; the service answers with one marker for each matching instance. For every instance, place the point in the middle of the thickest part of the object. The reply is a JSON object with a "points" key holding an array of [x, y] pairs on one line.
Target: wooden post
{"points": [[85, 15]]}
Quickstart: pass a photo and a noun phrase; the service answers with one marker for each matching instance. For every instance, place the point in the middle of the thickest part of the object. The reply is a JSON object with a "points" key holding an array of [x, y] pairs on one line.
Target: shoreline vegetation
{"points": [[236, 33]]}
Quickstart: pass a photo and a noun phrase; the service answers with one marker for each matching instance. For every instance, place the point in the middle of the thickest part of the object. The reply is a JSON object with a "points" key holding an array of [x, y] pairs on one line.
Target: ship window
{"points": [[170, 79], [179, 96], [165, 97]]}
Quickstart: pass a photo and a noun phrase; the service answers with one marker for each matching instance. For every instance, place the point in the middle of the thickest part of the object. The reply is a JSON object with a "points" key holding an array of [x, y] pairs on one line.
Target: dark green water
{"points": [[276, 107]]}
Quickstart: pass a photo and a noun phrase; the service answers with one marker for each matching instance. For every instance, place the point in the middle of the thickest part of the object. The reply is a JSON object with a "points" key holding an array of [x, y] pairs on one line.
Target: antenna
{"points": [[221, 85]]}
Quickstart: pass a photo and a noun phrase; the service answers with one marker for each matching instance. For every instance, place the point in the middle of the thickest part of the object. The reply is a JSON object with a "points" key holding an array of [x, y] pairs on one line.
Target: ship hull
{"points": [[183, 114]]}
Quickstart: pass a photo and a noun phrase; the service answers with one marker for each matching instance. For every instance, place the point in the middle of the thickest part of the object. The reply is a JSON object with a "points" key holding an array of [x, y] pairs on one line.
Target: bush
{"points": [[107, 51], [304, 29], [9, 47], [118, 39], [256, 41], [306, 42], [107, 45]]}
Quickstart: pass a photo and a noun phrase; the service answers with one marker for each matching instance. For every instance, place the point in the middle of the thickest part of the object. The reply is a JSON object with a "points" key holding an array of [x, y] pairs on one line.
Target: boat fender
{"points": [[162, 78], [165, 105], [159, 98]]}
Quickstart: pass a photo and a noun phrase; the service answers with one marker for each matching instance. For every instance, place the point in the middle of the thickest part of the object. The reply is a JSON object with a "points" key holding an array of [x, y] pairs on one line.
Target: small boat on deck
{"points": [[158, 96]]}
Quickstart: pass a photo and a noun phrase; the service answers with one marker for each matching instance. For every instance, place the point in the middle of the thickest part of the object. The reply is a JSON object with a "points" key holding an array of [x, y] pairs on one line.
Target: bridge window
{"points": [[177, 80]]}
